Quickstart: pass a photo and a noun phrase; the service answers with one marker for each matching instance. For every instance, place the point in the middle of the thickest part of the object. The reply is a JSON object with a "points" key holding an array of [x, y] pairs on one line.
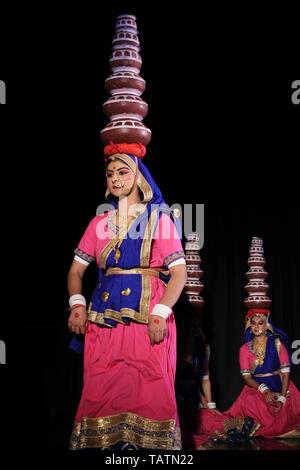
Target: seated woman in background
{"points": [[201, 422], [269, 396], [269, 404]]}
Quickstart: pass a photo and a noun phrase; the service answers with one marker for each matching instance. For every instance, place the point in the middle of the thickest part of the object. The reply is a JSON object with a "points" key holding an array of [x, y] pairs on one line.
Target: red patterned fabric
{"points": [[138, 150], [255, 311]]}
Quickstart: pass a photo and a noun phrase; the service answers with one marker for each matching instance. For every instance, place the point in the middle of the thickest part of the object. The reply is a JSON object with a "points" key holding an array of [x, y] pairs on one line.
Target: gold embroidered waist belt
{"points": [[142, 271], [267, 375]]}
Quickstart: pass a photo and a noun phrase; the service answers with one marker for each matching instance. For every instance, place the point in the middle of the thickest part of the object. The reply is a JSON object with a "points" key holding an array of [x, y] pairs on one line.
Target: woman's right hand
{"points": [[77, 322], [269, 397]]}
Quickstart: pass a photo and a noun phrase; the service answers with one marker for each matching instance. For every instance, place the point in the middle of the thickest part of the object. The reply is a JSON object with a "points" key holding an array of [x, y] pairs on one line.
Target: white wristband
{"points": [[262, 388], [77, 299], [211, 404], [281, 398], [161, 310]]}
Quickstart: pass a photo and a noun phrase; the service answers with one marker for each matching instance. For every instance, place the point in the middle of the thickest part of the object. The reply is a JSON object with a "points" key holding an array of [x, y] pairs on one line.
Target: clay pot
{"points": [[125, 60], [192, 259], [191, 247], [125, 82], [256, 261], [196, 302], [192, 237], [125, 130], [129, 105], [256, 251], [257, 301], [256, 241], [256, 272], [257, 287], [193, 272], [193, 287], [125, 37], [126, 22]]}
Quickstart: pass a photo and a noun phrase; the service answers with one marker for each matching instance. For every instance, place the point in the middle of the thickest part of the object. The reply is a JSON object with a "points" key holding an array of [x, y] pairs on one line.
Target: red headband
{"points": [[137, 149], [254, 311]]}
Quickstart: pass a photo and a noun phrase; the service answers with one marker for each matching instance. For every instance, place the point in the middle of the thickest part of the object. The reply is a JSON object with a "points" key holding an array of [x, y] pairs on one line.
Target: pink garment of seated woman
{"points": [[251, 402], [202, 426], [129, 384]]}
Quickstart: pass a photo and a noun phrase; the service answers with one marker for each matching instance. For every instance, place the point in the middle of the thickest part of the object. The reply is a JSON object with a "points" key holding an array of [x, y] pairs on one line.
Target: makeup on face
{"points": [[258, 325], [118, 175], [123, 172]]}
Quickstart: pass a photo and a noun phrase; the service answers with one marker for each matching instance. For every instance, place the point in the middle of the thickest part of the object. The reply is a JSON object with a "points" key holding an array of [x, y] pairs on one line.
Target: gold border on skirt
{"points": [[133, 429]]}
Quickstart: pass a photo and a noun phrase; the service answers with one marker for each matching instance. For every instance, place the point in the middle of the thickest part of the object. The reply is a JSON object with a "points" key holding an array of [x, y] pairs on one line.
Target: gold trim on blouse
{"points": [[120, 316], [147, 240]]}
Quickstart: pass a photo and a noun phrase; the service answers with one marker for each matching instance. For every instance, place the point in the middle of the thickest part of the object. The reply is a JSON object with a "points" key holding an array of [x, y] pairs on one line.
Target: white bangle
{"points": [[77, 299], [161, 310], [262, 388], [211, 404], [282, 399]]}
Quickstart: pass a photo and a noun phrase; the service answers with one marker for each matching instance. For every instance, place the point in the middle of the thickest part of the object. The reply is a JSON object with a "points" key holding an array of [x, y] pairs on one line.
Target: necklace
{"points": [[121, 230], [260, 351]]}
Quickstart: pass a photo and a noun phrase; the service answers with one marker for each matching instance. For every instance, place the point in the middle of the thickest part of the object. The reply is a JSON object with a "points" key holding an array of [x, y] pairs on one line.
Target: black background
{"points": [[225, 134]]}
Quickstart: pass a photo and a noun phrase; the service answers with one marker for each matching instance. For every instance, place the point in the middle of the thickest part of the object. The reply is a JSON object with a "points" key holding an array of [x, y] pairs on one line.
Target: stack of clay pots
{"points": [[125, 108], [257, 288], [193, 286]]}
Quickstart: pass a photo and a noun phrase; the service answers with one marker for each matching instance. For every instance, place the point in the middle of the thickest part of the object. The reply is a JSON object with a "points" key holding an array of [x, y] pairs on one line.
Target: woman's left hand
{"points": [[278, 405], [157, 328]]}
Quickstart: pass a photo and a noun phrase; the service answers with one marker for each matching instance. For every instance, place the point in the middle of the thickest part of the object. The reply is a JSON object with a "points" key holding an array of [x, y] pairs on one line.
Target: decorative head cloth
{"points": [[257, 302], [125, 108]]}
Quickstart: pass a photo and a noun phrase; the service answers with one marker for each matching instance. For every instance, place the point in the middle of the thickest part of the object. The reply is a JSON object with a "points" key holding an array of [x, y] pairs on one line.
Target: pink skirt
{"points": [[252, 403], [128, 397], [202, 429]]}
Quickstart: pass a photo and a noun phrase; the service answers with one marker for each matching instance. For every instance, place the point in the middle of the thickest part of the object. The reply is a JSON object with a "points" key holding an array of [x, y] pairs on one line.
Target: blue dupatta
{"points": [[121, 298], [271, 364], [272, 357]]}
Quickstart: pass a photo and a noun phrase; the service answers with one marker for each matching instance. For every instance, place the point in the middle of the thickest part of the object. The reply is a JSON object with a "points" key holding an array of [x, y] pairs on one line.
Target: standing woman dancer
{"points": [[128, 398]]}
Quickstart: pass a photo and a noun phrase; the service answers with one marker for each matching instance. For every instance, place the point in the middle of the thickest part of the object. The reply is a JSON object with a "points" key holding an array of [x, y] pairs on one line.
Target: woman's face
{"points": [[120, 178], [258, 325]]}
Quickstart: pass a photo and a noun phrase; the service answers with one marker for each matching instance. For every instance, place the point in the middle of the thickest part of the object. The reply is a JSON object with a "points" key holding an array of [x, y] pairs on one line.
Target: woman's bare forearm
{"points": [[75, 276], [285, 383], [250, 382], [175, 286], [74, 284], [206, 386]]}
